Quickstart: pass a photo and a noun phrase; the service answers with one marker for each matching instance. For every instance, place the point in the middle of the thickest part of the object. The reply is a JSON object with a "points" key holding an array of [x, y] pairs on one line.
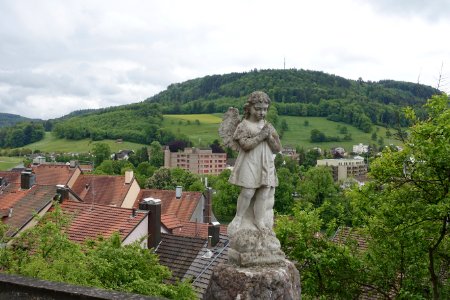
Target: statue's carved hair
{"points": [[255, 97]]}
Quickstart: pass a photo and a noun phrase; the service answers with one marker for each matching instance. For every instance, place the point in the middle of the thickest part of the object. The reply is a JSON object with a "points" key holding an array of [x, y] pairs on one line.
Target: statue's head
{"points": [[255, 98]]}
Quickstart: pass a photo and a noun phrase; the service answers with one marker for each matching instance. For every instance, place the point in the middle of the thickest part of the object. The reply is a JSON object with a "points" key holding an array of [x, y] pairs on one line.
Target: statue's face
{"points": [[258, 111]]}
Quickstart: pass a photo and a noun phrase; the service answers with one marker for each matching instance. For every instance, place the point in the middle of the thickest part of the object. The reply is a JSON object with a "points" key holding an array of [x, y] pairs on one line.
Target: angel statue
{"points": [[257, 141]]}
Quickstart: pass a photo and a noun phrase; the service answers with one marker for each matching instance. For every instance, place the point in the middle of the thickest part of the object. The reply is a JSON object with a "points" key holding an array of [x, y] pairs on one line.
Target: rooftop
{"points": [[182, 208], [101, 189], [53, 174], [24, 204], [178, 253], [91, 221]]}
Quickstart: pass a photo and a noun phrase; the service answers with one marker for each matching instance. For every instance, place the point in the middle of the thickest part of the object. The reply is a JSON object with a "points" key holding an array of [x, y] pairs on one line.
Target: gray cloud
{"points": [[56, 57]]}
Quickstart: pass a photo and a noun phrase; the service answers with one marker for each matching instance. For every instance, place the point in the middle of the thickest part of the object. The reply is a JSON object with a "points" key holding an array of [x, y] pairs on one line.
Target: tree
{"points": [[160, 180], [284, 199], [45, 252], [406, 208], [329, 271], [225, 198], [318, 185], [100, 151], [156, 155], [216, 147], [317, 136]]}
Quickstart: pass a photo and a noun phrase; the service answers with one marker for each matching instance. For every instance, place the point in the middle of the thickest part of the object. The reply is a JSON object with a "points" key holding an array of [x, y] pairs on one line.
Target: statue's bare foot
{"points": [[260, 225], [234, 225]]}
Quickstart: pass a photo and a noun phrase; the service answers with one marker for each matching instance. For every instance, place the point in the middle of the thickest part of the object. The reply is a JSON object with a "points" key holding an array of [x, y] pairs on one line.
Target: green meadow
{"points": [[202, 129], [50, 143], [7, 163]]}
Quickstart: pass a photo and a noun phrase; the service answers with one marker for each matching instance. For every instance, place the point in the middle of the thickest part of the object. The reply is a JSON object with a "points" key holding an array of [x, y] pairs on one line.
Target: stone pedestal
{"points": [[253, 247], [280, 281]]}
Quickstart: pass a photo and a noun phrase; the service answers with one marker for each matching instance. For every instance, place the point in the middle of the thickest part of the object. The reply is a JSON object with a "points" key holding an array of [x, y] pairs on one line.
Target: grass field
{"points": [[52, 144], [203, 132], [7, 163], [299, 134]]}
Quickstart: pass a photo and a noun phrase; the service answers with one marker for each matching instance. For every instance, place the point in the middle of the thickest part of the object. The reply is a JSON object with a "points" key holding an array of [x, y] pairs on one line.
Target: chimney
{"points": [[133, 212], [154, 220], [178, 191], [27, 179], [73, 163], [63, 192], [207, 206], [214, 233], [128, 176]]}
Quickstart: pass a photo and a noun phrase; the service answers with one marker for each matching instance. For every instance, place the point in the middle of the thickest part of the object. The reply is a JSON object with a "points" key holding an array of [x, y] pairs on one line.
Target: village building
{"points": [[113, 190], [360, 148], [195, 160], [344, 168]]}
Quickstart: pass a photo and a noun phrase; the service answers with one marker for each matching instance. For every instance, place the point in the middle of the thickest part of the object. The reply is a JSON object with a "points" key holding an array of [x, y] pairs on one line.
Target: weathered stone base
{"points": [[254, 258], [253, 247], [228, 282]]}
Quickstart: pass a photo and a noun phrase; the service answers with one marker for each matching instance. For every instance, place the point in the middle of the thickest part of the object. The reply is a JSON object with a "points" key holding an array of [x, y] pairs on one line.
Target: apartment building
{"points": [[344, 168], [195, 160]]}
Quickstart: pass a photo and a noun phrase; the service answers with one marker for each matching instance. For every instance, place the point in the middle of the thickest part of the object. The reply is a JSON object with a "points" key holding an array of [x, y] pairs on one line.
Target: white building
{"points": [[360, 149]]}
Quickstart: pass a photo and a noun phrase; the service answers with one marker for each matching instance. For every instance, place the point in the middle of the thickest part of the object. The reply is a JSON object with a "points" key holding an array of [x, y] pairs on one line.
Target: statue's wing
{"points": [[228, 126]]}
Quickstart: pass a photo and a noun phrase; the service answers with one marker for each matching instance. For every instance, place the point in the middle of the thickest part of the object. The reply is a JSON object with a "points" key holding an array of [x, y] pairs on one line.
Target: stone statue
{"points": [[256, 266], [252, 240]]}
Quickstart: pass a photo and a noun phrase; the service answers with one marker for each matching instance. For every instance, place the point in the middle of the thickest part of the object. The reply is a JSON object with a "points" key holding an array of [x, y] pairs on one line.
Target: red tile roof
{"points": [[13, 179], [194, 229], [101, 189], [49, 174], [182, 208], [92, 221], [25, 204], [170, 221]]}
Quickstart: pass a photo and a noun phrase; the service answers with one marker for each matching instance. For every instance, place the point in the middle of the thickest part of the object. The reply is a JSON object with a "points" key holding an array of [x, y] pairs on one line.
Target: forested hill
{"points": [[294, 92], [11, 119], [299, 92]]}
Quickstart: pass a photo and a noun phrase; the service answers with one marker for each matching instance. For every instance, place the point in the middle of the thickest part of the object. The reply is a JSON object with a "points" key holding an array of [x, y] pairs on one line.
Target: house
{"points": [[195, 160], [338, 152], [184, 205], [290, 151], [88, 221], [344, 168], [53, 174], [113, 190], [122, 154], [21, 201], [360, 148]]}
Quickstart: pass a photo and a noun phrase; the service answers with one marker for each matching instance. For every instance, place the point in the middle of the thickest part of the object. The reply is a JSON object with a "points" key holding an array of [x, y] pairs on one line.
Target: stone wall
{"points": [[21, 288]]}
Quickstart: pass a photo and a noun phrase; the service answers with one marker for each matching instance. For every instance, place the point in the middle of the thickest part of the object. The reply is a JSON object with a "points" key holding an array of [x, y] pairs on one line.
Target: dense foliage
{"points": [[21, 134], [299, 93], [45, 252], [394, 236]]}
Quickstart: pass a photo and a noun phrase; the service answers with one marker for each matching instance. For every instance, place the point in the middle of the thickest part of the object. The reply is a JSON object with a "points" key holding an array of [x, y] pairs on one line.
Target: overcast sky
{"points": [[60, 56]]}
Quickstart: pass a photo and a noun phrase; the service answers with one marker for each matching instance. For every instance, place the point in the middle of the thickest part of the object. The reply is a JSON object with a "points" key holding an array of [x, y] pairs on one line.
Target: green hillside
{"points": [[51, 143], [203, 132], [362, 105]]}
